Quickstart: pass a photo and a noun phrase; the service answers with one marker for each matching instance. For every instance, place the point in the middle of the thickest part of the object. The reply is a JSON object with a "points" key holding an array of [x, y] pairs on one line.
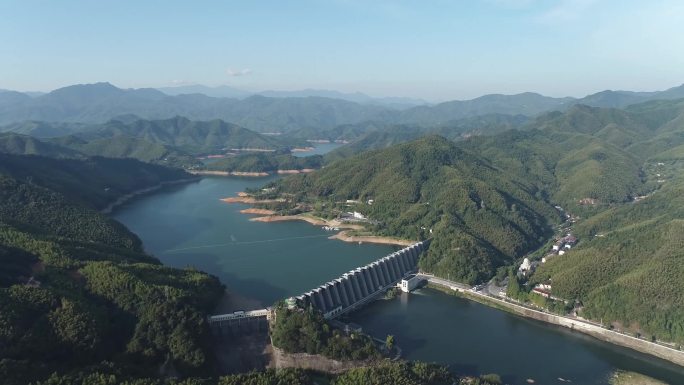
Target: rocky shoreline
{"points": [[271, 216]]}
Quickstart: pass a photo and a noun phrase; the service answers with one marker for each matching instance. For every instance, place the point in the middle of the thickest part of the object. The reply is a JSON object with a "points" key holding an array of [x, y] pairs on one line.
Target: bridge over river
{"points": [[335, 298]]}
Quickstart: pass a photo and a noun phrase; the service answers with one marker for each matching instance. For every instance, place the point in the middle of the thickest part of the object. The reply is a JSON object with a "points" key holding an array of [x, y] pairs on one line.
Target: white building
{"points": [[358, 215], [525, 266], [409, 283]]}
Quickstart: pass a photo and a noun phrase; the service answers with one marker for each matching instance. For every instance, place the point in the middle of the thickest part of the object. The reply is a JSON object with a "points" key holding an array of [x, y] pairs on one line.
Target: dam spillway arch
{"points": [[363, 284]]}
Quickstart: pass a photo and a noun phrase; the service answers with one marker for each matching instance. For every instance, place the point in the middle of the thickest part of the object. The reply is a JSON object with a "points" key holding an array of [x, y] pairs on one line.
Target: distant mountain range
{"points": [[356, 97], [171, 142], [283, 111]]}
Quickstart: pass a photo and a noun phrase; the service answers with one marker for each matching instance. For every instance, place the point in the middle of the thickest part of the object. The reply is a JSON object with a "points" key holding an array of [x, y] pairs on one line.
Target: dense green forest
{"points": [[76, 289], [94, 182], [488, 200], [306, 331], [176, 142], [629, 273], [480, 218], [266, 162], [386, 373]]}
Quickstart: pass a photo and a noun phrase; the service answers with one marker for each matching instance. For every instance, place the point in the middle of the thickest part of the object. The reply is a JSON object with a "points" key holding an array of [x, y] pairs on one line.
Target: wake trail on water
{"points": [[243, 243]]}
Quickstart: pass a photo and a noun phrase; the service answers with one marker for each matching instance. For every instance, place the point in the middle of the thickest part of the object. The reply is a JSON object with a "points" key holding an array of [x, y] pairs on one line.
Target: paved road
{"points": [[443, 282]]}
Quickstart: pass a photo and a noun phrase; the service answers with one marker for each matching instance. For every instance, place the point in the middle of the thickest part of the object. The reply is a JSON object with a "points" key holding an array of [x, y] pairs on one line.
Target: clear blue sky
{"points": [[434, 49]]}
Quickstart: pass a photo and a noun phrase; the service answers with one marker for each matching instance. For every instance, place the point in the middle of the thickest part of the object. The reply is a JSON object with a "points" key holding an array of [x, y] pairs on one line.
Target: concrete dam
{"points": [[334, 298], [362, 284]]}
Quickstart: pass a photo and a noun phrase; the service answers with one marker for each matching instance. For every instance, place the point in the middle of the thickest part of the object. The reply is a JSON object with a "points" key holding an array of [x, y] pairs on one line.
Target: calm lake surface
{"points": [[189, 226]]}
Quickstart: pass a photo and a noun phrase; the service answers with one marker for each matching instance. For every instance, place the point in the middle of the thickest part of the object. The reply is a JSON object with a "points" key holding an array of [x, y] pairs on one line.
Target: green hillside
{"points": [[480, 218], [629, 271], [41, 129], [94, 182], [96, 302], [11, 143], [129, 147], [266, 162], [191, 136]]}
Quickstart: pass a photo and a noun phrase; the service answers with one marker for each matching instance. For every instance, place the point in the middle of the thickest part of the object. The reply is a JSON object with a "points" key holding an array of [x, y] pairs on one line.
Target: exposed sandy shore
{"points": [[227, 173], [257, 211], [302, 149], [344, 236], [269, 216], [302, 171], [250, 173], [250, 200], [284, 218]]}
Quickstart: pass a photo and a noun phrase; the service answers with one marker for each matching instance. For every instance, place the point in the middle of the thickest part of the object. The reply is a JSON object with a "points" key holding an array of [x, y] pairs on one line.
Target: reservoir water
{"points": [[263, 262], [188, 225]]}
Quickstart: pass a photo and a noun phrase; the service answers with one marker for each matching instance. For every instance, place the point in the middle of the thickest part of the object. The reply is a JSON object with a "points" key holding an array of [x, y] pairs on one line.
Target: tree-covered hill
{"points": [[481, 219], [77, 292], [628, 272], [265, 162], [375, 136], [101, 102], [40, 129], [94, 182], [190, 136], [172, 142], [11, 143]]}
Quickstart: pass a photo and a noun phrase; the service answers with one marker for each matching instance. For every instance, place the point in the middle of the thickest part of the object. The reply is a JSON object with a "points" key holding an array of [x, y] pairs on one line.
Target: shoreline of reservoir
{"points": [[125, 198], [270, 216], [255, 174], [240, 276], [576, 324], [343, 235]]}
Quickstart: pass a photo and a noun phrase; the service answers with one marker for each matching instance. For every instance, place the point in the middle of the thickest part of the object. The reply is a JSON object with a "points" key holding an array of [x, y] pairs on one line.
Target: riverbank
{"points": [[577, 324], [228, 173], [257, 211], [342, 235], [255, 174], [630, 378], [249, 200], [123, 199]]}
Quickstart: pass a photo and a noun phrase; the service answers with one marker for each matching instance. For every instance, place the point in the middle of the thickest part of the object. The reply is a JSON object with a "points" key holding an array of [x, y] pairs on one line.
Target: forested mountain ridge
{"points": [[187, 135], [628, 272], [175, 142], [94, 182], [100, 102], [479, 218], [621, 171], [77, 293]]}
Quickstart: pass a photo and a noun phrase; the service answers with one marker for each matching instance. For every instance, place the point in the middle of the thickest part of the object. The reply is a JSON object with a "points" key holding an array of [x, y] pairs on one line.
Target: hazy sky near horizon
{"points": [[433, 49]]}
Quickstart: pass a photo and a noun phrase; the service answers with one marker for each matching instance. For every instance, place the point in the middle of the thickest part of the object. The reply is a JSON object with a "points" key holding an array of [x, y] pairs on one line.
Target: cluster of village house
{"points": [[560, 247]]}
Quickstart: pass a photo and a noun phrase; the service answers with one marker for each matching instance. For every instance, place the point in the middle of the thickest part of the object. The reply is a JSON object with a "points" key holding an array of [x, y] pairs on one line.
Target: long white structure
{"points": [[362, 284]]}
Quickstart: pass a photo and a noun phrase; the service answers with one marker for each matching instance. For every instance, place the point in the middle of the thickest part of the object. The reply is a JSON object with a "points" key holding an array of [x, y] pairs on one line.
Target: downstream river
{"points": [[263, 262]]}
